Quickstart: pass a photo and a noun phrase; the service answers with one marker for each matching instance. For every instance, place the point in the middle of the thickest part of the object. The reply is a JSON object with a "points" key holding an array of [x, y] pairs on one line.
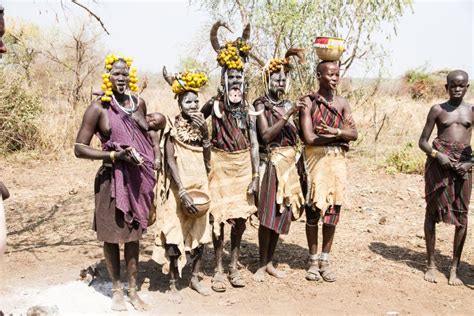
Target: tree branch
{"points": [[93, 14]]}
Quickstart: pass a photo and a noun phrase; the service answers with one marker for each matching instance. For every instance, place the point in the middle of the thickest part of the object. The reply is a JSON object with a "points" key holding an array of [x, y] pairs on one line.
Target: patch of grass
{"points": [[408, 159], [19, 109]]}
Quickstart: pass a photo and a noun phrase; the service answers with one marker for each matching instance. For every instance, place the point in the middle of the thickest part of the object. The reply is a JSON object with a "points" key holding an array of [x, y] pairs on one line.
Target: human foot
{"points": [[118, 301], [136, 301], [173, 294], [274, 272], [235, 278], [326, 271], [259, 275], [218, 282], [199, 287], [313, 274], [430, 275], [453, 279]]}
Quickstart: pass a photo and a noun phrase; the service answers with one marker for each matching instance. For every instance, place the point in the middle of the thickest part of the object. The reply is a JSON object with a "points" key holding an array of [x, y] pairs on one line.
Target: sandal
{"points": [[327, 273], [218, 282], [313, 273], [235, 278]]}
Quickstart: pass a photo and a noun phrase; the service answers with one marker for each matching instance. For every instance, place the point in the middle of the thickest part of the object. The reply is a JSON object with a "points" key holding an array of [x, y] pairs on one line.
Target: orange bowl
{"points": [[202, 202]]}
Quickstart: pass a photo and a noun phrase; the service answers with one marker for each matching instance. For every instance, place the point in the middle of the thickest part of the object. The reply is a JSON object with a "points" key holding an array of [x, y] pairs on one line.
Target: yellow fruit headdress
{"points": [[283, 64], [185, 81], [233, 54], [107, 85], [280, 64]]}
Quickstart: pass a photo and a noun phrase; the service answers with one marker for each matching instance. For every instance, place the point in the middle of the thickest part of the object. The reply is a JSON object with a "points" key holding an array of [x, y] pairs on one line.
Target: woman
{"points": [[124, 183], [187, 153]]}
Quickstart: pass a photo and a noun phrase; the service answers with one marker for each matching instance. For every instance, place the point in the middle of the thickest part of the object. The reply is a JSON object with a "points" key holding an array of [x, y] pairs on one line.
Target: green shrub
{"points": [[18, 111], [408, 159]]}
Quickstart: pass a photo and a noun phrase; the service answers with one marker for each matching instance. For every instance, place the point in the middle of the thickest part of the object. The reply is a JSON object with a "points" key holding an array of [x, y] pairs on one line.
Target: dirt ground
{"points": [[378, 253]]}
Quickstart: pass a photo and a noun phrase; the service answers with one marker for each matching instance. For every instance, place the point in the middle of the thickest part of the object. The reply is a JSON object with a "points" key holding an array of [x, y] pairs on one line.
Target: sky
{"points": [[436, 35]]}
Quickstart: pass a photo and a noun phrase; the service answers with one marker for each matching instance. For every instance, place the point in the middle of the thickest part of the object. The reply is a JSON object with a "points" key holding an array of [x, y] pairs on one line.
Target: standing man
{"points": [[233, 180], [448, 175], [327, 127]]}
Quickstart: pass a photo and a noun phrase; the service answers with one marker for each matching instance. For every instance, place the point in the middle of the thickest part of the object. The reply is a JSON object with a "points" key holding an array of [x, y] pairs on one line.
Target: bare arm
{"points": [[349, 131], [88, 127], [4, 191], [428, 129], [309, 136], [254, 156], [269, 133], [206, 109], [155, 139], [425, 136]]}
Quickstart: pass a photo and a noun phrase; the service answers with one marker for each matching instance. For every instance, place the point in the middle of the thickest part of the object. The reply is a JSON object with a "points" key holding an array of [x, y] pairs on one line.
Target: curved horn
{"points": [[168, 78], [298, 52], [255, 113], [246, 32], [217, 111], [213, 35]]}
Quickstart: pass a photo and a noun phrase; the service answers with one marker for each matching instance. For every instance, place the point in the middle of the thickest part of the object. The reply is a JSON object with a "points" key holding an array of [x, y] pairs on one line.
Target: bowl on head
{"points": [[329, 48], [202, 202]]}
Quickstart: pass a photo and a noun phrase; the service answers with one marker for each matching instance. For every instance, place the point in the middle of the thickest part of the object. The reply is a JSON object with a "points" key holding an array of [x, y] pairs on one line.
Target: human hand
{"points": [[188, 203], [124, 155], [253, 186], [325, 129], [197, 119], [462, 168], [444, 161], [297, 106], [157, 164]]}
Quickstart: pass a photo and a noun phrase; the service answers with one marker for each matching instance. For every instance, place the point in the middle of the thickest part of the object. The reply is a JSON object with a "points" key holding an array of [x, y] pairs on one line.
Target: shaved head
{"points": [[457, 73], [324, 65]]}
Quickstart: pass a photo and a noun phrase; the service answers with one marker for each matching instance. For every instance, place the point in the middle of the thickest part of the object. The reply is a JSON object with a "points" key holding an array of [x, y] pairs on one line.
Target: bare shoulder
{"points": [[343, 101], [96, 107]]}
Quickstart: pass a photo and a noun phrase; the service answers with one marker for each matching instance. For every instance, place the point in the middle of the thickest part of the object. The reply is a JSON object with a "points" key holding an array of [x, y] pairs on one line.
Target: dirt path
{"points": [[378, 253]]}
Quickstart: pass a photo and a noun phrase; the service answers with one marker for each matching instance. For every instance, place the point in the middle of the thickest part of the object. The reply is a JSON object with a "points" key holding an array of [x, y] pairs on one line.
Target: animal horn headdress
{"points": [[281, 64], [233, 54]]}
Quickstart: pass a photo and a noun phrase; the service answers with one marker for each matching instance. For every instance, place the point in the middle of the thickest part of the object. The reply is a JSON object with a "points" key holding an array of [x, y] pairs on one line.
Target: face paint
{"points": [[277, 84], [234, 83], [189, 103]]}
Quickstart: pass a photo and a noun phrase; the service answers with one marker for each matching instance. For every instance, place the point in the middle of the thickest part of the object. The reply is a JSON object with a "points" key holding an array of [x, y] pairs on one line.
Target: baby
{"points": [[155, 131]]}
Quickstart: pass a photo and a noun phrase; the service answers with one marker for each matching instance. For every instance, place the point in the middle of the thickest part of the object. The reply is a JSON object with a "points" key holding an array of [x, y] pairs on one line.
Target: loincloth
{"points": [[173, 226], [447, 194], [289, 187], [230, 176], [326, 171]]}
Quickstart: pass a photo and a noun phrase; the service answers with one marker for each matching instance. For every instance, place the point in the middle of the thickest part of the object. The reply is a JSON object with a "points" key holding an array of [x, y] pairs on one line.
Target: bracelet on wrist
{"points": [[433, 153], [112, 156], [255, 175], [339, 132], [181, 192]]}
